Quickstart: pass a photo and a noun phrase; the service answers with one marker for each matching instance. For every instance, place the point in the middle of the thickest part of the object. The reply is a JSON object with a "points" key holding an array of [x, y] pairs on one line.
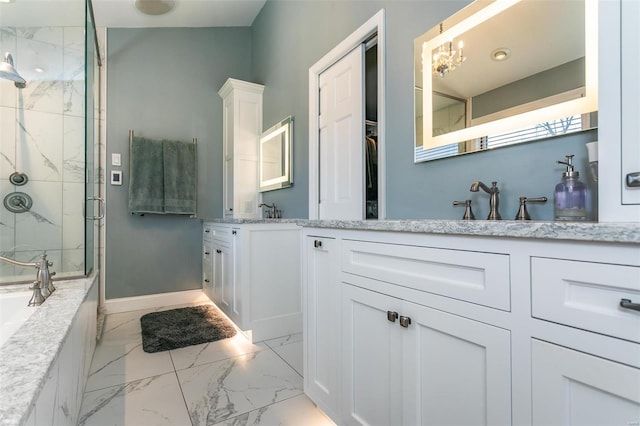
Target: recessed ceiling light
{"points": [[7, 1], [500, 54], [154, 7], [39, 69]]}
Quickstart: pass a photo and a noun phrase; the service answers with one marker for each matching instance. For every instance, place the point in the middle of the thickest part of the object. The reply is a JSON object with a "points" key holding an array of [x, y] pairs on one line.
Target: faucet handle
{"points": [[523, 214], [468, 213]]}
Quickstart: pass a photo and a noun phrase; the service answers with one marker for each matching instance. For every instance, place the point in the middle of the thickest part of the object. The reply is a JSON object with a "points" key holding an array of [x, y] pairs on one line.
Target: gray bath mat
{"points": [[177, 328]]}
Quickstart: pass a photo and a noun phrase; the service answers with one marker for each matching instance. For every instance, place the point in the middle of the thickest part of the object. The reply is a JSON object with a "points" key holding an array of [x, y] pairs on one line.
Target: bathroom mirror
{"points": [[500, 72], [276, 169]]}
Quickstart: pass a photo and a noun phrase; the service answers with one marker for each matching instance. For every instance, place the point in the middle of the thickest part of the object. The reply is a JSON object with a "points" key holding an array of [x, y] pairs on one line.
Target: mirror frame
{"points": [[564, 108], [283, 130]]}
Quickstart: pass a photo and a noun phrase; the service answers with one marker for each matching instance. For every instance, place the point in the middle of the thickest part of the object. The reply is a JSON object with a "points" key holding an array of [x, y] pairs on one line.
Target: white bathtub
{"points": [[44, 362], [14, 311]]}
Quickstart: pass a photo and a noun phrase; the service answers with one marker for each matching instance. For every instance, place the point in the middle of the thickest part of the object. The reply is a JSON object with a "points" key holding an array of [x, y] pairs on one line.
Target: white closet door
{"points": [[342, 138]]}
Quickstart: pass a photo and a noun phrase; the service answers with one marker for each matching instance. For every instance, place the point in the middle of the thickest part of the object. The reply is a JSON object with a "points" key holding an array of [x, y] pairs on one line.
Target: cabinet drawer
{"points": [[586, 295], [481, 278], [216, 233]]}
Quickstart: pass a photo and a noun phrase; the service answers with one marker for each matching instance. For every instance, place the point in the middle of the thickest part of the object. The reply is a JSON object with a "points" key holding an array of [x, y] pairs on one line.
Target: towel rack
{"points": [[195, 142]]}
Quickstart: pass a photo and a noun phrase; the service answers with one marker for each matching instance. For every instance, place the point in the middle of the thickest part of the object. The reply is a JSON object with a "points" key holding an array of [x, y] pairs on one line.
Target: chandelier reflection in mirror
{"points": [[445, 59]]}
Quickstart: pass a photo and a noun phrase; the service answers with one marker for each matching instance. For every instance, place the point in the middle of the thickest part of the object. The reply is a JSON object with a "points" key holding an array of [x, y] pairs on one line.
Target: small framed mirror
{"points": [[276, 167], [501, 72]]}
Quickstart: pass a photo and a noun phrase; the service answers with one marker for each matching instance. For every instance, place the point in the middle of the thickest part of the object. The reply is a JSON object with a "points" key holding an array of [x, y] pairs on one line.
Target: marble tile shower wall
{"points": [[42, 134]]}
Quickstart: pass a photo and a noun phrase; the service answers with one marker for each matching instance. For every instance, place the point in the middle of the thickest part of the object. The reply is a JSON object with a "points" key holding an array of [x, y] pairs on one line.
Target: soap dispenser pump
{"points": [[570, 196]]}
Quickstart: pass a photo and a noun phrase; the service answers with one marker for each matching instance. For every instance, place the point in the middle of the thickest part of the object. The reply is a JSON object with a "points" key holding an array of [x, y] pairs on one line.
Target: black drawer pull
{"points": [[317, 243], [207, 281], [628, 304], [207, 230], [218, 251], [207, 253]]}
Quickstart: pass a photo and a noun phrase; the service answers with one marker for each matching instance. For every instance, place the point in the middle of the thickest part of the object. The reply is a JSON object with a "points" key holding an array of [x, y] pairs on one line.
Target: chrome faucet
{"points": [[272, 213], [43, 285], [494, 200]]}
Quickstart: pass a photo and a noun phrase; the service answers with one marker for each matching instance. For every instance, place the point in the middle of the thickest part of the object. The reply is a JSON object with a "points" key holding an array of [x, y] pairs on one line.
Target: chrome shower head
{"points": [[8, 72]]}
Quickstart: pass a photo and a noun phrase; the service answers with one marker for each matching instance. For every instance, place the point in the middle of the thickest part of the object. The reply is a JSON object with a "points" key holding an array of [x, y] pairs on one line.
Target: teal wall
{"points": [[288, 37], [163, 83]]}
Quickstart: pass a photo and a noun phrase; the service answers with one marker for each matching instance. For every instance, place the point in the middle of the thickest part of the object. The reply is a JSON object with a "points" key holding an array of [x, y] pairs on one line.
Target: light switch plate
{"points": [[116, 159]]}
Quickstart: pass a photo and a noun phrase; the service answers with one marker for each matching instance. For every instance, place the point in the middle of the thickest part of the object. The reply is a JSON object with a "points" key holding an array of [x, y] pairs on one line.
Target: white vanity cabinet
{"points": [[584, 385], [241, 130], [387, 353], [255, 272], [407, 363], [448, 329]]}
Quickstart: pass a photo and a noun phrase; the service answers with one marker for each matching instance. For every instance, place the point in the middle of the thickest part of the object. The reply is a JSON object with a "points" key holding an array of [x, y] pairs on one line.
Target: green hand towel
{"points": [[180, 177], [146, 188]]}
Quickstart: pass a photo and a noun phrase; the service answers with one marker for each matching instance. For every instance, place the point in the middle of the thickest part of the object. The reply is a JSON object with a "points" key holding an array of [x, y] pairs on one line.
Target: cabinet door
{"points": [[207, 269], [574, 388], [226, 280], [217, 275], [322, 325], [456, 371], [227, 147], [372, 358], [630, 104], [233, 279]]}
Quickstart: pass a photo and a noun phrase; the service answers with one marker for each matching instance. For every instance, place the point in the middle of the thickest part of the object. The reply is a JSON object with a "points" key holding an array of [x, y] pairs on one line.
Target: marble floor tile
{"points": [[214, 351], [292, 354], [115, 364], [152, 401], [295, 411], [124, 327], [293, 338], [220, 390]]}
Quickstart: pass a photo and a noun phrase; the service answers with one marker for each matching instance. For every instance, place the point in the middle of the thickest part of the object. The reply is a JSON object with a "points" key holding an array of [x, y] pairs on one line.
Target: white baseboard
{"points": [[126, 304]]}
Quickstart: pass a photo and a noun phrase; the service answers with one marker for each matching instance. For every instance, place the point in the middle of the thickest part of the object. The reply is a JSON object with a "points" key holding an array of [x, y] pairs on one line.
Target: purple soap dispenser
{"points": [[571, 195]]}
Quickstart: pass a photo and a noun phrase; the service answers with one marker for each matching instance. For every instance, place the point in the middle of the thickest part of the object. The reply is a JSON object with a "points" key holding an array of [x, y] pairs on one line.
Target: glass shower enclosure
{"points": [[49, 175]]}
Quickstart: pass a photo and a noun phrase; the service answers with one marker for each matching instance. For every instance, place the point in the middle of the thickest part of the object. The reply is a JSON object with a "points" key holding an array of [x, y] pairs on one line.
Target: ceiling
{"points": [[123, 13], [186, 13]]}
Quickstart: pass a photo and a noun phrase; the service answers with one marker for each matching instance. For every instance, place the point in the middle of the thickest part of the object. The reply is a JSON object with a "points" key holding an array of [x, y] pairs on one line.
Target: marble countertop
{"points": [[27, 356], [250, 221], [575, 231], [547, 230]]}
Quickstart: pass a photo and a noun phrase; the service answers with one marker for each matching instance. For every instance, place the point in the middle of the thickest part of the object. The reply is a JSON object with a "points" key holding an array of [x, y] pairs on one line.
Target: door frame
{"points": [[375, 25]]}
